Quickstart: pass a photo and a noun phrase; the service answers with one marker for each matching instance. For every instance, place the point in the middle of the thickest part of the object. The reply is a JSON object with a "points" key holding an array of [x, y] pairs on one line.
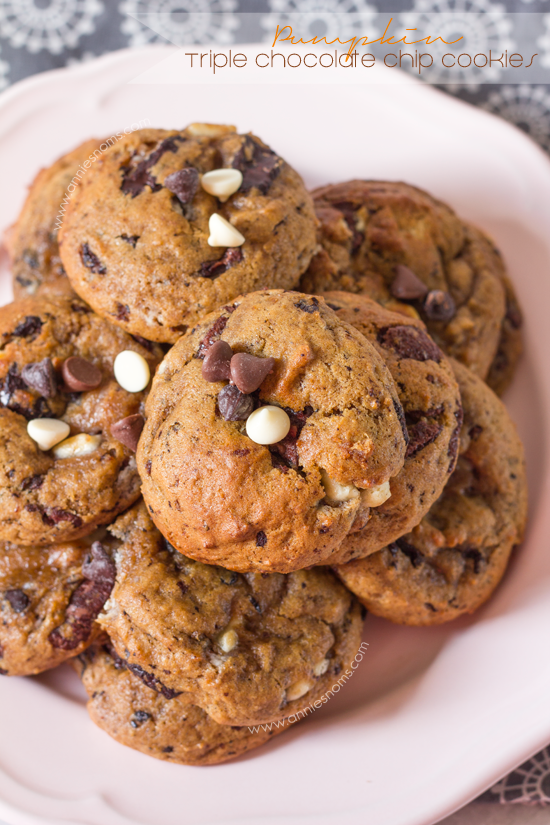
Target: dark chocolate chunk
{"points": [[454, 440], [233, 404], [284, 454], [29, 326], [409, 342], [183, 183], [473, 555], [54, 515], [18, 600], [213, 269], [248, 371], [122, 312], [139, 717], [131, 239], [134, 180], [439, 306], [152, 681], [308, 307], [91, 261], [41, 377], [415, 556], [99, 574], [32, 482], [217, 361], [420, 435], [401, 416], [475, 431], [128, 430], [406, 286], [212, 335], [80, 375], [255, 604], [513, 314], [258, 164], [261, 539]]}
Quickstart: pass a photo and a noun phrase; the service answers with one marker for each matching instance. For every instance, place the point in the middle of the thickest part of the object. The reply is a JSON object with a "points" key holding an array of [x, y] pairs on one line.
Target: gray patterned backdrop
{"points": [[37, 35]]}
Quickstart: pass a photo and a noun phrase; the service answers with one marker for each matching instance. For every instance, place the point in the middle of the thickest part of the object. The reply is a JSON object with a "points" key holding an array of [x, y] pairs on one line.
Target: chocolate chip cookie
{"points": [[63, 471], [172, 729], [148, 246], [32, 240], [224, 479], [430, 398], [453, 560], [248, 649], [49, 600], [393, 241]]}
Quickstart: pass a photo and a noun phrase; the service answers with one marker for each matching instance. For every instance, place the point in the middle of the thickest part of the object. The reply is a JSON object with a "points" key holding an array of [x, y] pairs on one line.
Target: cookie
{"points": [[49, 600], [430, 398], [453, 560], [393, 241], [148, 247], [174, 730], [247, 649], [56, 380], [510, 345], [223, 494], [32, 240]]}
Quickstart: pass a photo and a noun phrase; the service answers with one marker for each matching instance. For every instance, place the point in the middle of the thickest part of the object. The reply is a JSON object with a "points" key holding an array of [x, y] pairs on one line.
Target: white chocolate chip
{"points": [[77, 446], [336, 491], [222, 182], [131, 371], [298, 689], [267, 425], [321, 667], [375, 496], [228, 640], [222, 233], [209, 130], [47, 432]]}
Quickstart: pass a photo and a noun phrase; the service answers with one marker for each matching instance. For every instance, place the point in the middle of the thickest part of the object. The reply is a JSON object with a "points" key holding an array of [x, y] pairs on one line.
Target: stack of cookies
{"points": [[235, 417]]}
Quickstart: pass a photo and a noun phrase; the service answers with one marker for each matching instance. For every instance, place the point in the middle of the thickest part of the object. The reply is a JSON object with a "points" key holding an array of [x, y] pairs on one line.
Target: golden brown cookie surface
{"points": [[135, 239], [49, 600], [45, 497], [32, 240], [223, 498], [453, 560], [248, 649], [433, 415], [174, 730], [392, 241]]}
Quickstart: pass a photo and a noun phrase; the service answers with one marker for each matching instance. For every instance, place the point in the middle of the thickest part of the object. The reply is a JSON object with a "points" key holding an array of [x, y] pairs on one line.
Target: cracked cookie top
{"points": [[223, 482], [399, 245], [148, 245], [430, 398], [63, 471], [453, 560], [247, 648], [174, 730]]}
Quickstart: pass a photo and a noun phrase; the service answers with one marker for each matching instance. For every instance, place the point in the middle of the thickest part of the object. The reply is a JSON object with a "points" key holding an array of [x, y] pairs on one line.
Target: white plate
{"points": [[433, 716]]}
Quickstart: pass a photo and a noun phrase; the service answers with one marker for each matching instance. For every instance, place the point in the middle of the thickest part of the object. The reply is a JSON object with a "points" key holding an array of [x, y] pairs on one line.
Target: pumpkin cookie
{"points": [[266, 472], [49, 600], [453, 560], [67, 467], [32, 240], [248, 649], [169, 225], [394, 242], [430, 399], [172, 729]]}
